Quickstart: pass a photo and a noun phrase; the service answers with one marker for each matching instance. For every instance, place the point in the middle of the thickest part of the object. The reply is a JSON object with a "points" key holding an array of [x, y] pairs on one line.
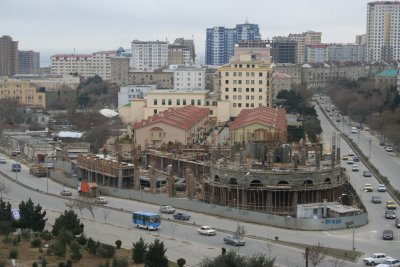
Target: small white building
{"points": [[130, 92], [189, 78]]}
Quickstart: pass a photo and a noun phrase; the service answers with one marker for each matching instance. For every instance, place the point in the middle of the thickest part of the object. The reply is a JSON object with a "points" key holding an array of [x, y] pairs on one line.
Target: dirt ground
{"points": [[27, 256]]}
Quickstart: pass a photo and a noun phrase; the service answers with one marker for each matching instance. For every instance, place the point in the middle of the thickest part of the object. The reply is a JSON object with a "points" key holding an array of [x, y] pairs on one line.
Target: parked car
{"points": [[101, 200], [367, 174], [345, 157], [66, 192], [397, 223], [368, 188], [381, 143], [350, 161], [356, 159], [206, 230], [381, 188], [351, 153], [389, 149], [3, 161], [375, 258], [387, 234], [167, 209], [355, 168], [391, 262], [376, 199], [390, 214], [233, 240], [390, 205], [184, 216]]}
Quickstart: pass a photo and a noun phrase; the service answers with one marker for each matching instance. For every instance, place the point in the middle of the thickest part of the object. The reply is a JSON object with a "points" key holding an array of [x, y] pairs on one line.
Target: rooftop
{"points": [[270, 117], [388, 73]]}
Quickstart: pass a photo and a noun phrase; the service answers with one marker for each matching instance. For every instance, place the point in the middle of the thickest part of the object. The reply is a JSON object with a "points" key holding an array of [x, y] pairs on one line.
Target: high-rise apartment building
{"points": [[8, 56], [220, 41], [284, 50], [245, 82], [149, 55], [182, 50], [29, 62], [383, 38]]}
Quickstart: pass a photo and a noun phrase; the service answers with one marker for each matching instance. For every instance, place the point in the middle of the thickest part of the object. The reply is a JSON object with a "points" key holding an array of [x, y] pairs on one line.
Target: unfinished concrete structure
{"points": [[259, 177]]}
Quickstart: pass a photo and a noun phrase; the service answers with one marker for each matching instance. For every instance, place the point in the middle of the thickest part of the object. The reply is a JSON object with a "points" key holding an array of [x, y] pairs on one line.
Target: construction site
{"points": [[271, 178]]}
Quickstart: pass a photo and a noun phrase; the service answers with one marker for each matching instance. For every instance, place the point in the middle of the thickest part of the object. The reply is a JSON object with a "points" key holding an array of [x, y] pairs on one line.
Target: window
{"points": [[192, 102], [163, 102], [247, 97], [226, 89], [234, 105], [226, 73], [260, 97], [234, 97], [169, 102], [252, 97], [184, 102], [155, 102], [226, 82], [247, 105], [178, 102], [260, 82], [239, 105], [260, 74], [252, 90], [155, 111], [240, 82], [226, 97], [199, 102], [234, 89], [252, 105]]}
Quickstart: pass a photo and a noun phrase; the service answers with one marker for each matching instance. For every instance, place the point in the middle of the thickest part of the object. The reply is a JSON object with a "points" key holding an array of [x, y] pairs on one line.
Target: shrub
{"points": [[7, 239], [46, 235], [82, 239], [35, 264], [91, 246], [105, 251], [69, 263], [155, 256], [139, 251], [120, 262], [65, 236], [3, 263], [181, 262], [61, 264], [36, 243], [118, 243], [13, 253], [76, 253], [59, 249]]}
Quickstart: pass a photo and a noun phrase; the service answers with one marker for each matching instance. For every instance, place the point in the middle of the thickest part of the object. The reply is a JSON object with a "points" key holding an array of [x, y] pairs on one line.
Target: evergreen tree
{"points": [[69, 220], [139, 251], [31, 216], [155, 256]]}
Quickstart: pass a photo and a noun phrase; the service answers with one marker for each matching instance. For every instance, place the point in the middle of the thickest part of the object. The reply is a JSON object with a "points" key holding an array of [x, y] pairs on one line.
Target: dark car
{"points": [[356, 159], [376, 199], [390, 214], [233, 240], [182, 216], [397, 223], [367, 174], [387, 234]]}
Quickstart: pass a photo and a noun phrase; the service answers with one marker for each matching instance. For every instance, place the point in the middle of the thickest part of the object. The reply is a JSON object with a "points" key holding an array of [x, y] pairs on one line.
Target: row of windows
{"points": [[247, 74], [247, 97], [247, 105], [199, 79], [177, 102], [247, 90], [211, 112]]}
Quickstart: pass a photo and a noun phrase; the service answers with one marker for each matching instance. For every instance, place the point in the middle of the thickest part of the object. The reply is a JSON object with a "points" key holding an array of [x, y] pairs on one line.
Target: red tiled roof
{"points": [[270, 117], [184, 117]]}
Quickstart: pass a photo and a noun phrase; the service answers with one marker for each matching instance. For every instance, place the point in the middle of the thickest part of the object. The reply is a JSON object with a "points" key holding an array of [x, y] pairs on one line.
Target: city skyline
{"points": [[83, 27]]}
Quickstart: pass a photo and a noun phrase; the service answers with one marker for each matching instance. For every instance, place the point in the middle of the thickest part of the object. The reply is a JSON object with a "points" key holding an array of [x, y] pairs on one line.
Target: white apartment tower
{"points": [[189, 79], [149, 55], [383, 31]]}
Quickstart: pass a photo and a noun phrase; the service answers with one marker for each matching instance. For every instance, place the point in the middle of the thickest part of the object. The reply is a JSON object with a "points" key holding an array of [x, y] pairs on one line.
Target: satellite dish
{"points": [[109, 113]]}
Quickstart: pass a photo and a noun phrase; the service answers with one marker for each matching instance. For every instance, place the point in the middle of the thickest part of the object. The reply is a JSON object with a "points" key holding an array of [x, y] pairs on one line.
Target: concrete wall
{"points": [[245, 215]]}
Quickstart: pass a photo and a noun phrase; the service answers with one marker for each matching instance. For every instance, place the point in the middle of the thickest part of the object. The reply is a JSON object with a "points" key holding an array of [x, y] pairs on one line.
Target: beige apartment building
{"points": [[303, 39], [185, 125], [24, 92], [245, 82]]}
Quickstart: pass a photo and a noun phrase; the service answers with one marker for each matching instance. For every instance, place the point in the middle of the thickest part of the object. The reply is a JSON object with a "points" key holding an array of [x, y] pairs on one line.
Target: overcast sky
{"points": [[60, 26]]}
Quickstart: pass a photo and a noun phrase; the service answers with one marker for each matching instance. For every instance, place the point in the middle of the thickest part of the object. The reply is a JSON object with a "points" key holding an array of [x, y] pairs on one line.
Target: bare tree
{"points": [[3, 189], [106, 212], [336, 262], [315, 254], [81, 203]]}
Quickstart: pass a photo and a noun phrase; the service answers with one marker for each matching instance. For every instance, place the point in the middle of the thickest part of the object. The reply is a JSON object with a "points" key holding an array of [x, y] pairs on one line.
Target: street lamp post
{"points": [[369, 148]]}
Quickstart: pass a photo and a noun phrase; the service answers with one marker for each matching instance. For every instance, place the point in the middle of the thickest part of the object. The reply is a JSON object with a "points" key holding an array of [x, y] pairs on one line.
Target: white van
{"points": [[353, 129]]}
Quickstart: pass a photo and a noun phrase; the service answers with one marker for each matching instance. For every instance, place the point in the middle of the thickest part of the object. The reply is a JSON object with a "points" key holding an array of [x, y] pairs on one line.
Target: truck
{"points": [[88, 189], [38, 170]]}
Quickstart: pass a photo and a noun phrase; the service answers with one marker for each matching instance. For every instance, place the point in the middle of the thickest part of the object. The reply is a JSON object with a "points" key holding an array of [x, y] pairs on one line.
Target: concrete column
{"points": [[269, 201], [120, 178]]}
